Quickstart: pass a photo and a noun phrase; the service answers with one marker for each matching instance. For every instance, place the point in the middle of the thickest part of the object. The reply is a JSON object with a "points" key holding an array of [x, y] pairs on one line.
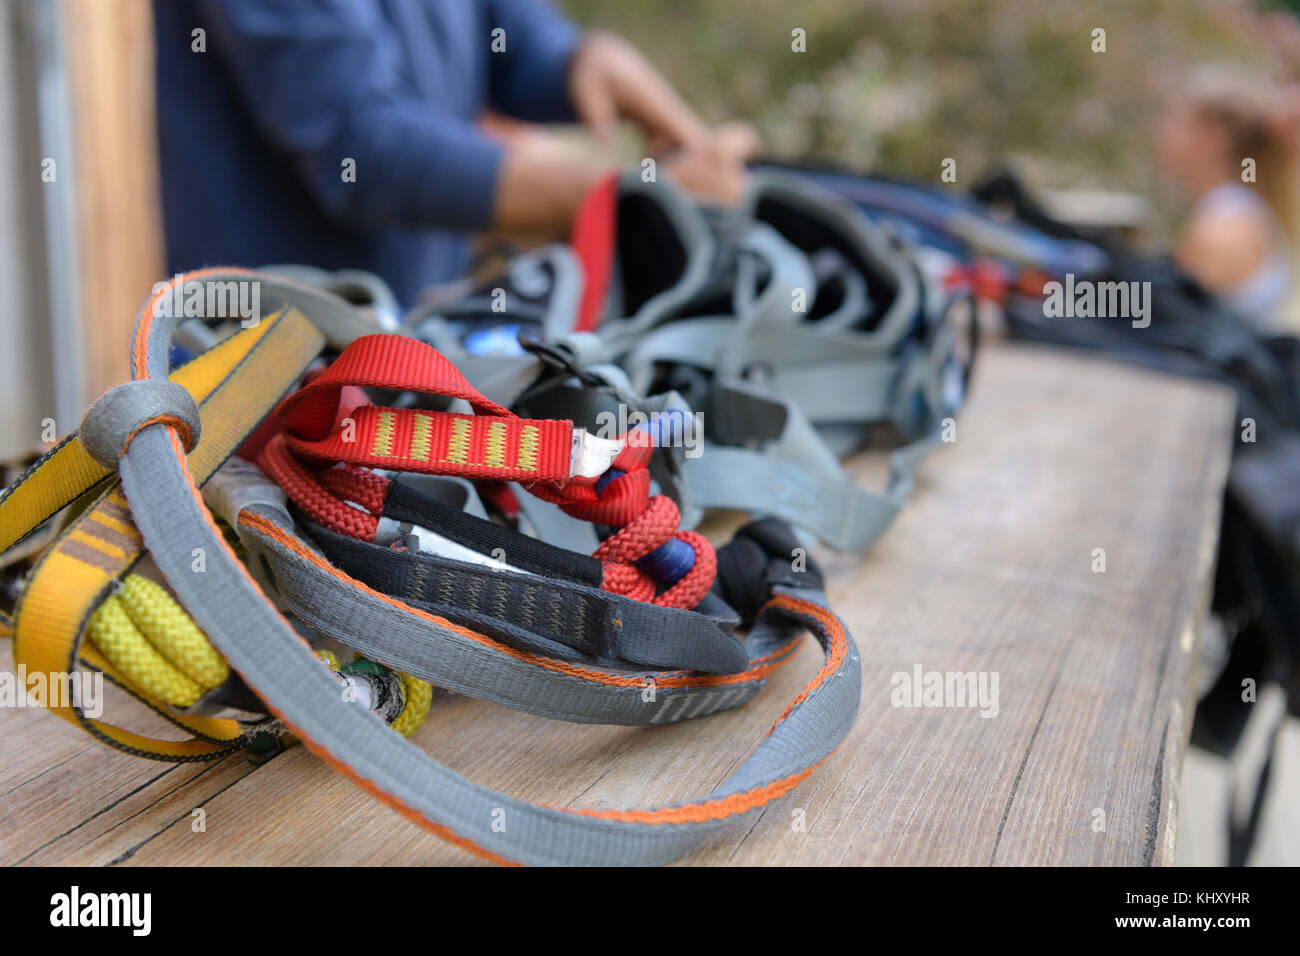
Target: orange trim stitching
{"points": [[839, 646], [698, 812], [718, 809], [739, 803], [176, 424], [145, 320]]}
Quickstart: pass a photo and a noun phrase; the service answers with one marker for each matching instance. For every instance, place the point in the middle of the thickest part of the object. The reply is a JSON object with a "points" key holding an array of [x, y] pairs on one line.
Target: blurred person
{"points": [[1239, 238], [261, 114]]}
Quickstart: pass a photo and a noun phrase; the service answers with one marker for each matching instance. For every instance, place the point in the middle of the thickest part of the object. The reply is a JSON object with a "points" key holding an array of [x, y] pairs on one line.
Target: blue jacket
{"points": [[255, 133]]}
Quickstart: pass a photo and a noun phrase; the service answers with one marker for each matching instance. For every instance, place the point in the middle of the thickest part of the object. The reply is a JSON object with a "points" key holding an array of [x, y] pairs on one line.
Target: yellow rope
{"points": [[157, 647], [162, 653], [118, 639], [419, 698], [172, 632]]}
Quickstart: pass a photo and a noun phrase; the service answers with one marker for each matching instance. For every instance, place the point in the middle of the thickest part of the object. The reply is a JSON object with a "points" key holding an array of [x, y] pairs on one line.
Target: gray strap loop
{"points": [[339, 321], [118, 415], [239, 486], [620, 633], [789, 271], [619, 331], [436, 320], [365, 291], [832, 267], [799, 480], [281, 669], [865, 240]]}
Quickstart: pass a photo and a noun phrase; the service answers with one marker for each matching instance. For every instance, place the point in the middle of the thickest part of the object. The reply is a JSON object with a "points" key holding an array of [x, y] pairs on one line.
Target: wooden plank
{"points": [[110, 63], [989, 570], [67, 799]]}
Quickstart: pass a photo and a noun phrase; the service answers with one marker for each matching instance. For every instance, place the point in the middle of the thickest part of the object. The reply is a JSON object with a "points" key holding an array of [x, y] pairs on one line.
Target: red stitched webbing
{"points": [[490, 442], [378, 361]]}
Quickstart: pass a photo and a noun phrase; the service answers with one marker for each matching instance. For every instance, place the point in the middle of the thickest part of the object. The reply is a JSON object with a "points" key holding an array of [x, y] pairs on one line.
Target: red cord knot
{"points": [[645, 524], [646, 533]]}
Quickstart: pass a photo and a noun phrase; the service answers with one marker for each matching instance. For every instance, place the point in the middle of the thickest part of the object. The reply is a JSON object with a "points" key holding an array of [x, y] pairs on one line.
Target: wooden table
{"points": [[992, 569]]}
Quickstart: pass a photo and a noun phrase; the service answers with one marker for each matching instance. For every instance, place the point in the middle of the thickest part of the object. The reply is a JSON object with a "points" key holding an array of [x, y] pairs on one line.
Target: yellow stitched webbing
{"points": [[236, 387], [140, 637], [67, 471]]}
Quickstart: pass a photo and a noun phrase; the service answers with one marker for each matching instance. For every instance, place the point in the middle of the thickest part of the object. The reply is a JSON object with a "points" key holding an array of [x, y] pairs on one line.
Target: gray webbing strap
{"points": [[856, 298], [799, 480], [695, 342], [620, 330], [392, 632], [504, 378], [403, 637], [829, 375], [539, 614], [364, 291], [281, 669], [834, 509], [855, 229], [838, 386], [761, 248], [339, 321], [433, 322], [842, 391], [835, 386]]}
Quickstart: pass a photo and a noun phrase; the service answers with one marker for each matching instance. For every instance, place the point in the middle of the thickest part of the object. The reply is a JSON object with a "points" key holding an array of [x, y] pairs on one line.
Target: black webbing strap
{"points": [[541, 614], [405, 502]]}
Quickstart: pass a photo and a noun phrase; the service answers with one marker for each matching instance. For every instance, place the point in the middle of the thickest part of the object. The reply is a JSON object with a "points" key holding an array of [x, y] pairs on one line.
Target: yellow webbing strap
{"points": [[80, 569], [67, 471]]}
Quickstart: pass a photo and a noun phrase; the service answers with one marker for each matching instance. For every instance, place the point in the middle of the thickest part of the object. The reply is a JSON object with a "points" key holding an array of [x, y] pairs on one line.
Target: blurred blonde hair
{"points": [[1262, 122]]}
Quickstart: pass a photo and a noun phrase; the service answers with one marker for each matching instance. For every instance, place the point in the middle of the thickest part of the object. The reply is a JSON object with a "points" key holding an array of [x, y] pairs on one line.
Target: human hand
{"points": [[714, 169], [610, 80]]}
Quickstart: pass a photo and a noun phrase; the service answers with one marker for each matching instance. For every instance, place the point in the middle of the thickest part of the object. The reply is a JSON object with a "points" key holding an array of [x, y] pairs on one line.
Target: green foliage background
{"points": [[898, 85]]}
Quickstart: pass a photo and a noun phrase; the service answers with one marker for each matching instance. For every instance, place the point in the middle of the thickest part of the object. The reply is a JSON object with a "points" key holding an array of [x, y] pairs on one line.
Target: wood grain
{"points": [[110, 60], [989, 569]]}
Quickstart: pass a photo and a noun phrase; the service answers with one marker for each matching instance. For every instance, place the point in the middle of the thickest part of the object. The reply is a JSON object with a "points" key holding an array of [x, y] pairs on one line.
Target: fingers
{"points": [[610, 80], [595, 106], [653, 104], [736, 140], [715, 171]]}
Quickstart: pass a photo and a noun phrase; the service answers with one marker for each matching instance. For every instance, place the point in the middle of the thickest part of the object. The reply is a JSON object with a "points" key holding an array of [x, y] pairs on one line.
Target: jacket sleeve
{"points": [[321, 81], [530, 78]]}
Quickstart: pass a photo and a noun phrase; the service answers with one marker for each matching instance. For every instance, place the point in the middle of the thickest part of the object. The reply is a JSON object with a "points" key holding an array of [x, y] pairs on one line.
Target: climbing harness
{"points": [[170, 437], [805, 326]]}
